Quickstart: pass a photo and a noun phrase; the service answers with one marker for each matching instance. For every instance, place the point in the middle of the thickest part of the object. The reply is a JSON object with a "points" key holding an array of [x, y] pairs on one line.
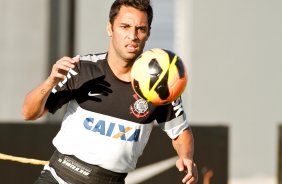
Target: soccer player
{"points": [[106, 125]]}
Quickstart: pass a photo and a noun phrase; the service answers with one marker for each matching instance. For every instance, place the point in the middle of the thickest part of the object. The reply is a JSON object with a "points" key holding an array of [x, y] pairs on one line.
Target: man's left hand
{"points": [[187, 165]]}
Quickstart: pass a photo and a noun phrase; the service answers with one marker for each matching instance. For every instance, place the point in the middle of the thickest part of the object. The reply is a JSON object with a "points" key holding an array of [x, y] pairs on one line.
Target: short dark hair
{"points": [[142, 5]]}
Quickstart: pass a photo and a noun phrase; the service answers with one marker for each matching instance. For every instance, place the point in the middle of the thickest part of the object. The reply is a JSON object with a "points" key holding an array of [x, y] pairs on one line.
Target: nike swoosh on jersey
{"points": [[94, 94], [146, 172]]}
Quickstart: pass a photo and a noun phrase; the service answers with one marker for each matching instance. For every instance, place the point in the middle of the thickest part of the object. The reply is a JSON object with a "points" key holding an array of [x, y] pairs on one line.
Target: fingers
{"points": [[180, 165], [190, 168], [192, 176], [76, 59], [193, 180], [189, 175], [66, 63], [61, 68]]}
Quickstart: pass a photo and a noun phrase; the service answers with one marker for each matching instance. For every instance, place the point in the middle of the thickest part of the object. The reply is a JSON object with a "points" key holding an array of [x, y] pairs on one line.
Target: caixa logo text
{"points": [[112, 130]]}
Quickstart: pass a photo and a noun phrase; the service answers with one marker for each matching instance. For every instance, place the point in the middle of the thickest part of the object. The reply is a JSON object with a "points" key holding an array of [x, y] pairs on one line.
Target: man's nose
{"points": [[132, 35]]}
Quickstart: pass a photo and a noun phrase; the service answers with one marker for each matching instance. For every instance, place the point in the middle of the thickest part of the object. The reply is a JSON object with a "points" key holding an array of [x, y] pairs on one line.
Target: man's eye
{"points": [[124, 27], [143, 30]]}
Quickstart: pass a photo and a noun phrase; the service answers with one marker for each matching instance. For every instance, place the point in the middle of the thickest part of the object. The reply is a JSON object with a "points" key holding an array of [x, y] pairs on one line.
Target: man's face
{"points": [[128, 33]]}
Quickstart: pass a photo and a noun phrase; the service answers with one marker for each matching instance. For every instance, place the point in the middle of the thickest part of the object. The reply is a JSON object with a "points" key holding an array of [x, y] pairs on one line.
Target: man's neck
{"points": [[119, 67]]}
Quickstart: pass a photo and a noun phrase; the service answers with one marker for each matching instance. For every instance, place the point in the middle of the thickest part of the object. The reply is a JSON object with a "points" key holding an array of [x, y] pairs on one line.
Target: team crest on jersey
{"points": [[140, 107]]}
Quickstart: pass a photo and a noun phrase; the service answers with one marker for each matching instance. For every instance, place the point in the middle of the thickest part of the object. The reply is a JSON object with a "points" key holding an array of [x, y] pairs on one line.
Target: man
{"points": [[103, 132]]}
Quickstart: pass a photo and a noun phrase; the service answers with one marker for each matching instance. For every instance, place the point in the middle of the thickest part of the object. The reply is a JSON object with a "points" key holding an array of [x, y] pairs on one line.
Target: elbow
{"points": [[28, 118], [27, 115]]}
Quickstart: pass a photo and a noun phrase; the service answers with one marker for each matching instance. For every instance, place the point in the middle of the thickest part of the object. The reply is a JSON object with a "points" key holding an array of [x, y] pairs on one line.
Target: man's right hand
{"points": [[34, 103], [60, 69]]}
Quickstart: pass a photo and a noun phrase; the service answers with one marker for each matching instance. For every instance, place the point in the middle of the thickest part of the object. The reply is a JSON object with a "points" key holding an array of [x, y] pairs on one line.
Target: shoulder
{"points": [[92, 63], [94, 57]]}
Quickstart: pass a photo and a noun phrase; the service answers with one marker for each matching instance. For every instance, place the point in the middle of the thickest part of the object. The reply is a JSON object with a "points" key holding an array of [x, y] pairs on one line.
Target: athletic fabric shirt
{"points": [[106, 123]]}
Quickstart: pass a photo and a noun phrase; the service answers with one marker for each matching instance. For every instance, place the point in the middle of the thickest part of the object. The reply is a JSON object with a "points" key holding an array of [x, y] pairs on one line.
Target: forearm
{"points": [[34, 103], [184, 144]]}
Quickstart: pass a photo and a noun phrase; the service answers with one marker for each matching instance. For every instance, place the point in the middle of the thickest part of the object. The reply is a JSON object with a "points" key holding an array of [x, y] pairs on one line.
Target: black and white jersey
{"points": [[106, 123]]}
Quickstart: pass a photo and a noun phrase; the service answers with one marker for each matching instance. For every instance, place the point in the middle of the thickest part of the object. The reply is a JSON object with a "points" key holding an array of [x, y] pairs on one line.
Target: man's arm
{"points": [[184, 146], [34, 103]]}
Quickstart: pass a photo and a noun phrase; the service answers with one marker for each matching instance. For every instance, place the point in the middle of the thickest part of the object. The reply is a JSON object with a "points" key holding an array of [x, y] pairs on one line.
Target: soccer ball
{"points": [[158, 76]]}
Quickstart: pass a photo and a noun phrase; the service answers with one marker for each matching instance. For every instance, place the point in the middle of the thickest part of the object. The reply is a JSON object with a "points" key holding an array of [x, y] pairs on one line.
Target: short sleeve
{"points": [[62, 93], [172, 118]]}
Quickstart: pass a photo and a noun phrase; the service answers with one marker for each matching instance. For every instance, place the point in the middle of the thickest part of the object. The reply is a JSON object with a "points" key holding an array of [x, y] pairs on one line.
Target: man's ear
{"points": [[109, 29]]}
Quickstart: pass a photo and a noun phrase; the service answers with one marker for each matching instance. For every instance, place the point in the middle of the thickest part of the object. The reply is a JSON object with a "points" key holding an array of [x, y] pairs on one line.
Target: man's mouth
{"points": [[132, 47]]}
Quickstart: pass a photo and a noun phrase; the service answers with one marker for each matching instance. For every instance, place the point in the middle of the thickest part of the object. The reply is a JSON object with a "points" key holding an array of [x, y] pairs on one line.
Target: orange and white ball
{"points": [[159, 76]]}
